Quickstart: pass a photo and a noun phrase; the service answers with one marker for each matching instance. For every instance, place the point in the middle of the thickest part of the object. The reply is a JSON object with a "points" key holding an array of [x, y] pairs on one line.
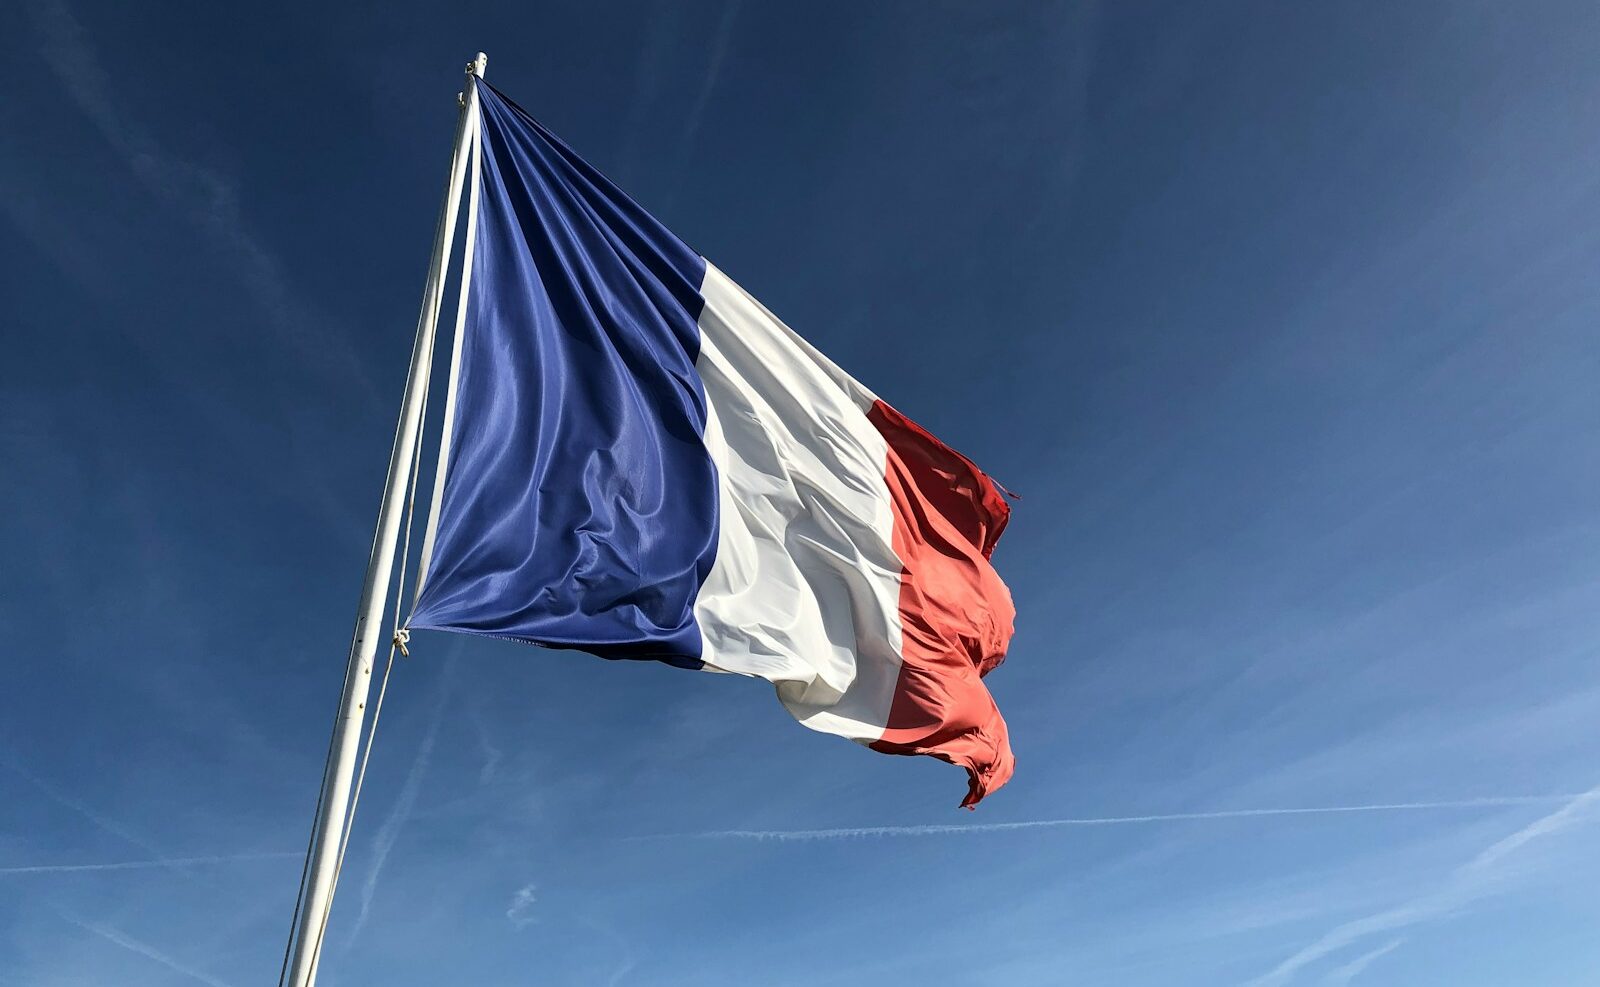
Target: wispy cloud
{"points": [[201, 194], [1466, 884], [132, 945], [1343, 975], [99, 819], [627, 962], [163, 862], [857, 832], [520, 911], [404, 804], [689, 131], [619, 948], [624, 967], [1555, 822], [708, 82], [492, 755]]}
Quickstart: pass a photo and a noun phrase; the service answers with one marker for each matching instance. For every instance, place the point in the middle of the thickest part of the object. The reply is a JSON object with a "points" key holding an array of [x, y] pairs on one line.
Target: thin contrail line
{"points": [[165, 862], [1466, 884], [133, 945], [857, 832], [60, 797], [404, 803]]}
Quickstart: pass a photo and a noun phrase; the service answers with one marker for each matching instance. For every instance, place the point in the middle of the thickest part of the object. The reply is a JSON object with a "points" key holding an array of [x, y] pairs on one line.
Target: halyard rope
{"points": [[398, 642]]}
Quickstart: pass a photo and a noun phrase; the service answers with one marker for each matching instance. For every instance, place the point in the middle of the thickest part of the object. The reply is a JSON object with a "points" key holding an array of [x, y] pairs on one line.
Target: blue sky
{"points": [[1281, 318]]}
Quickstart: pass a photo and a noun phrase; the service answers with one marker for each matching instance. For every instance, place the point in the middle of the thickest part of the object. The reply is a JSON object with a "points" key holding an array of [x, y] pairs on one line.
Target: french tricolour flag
{"points": [[643, 462]]}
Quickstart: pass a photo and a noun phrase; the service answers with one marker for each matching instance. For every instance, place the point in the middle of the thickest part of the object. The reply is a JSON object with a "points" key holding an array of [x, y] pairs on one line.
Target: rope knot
{"points": [[402, 637]]}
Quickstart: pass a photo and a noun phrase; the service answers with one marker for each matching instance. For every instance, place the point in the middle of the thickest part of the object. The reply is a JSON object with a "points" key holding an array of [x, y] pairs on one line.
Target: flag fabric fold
{"points": [[646, 463]]}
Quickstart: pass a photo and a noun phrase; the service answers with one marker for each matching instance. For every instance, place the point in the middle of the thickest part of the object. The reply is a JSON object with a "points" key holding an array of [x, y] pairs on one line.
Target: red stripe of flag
{"points": [[956, 615]]}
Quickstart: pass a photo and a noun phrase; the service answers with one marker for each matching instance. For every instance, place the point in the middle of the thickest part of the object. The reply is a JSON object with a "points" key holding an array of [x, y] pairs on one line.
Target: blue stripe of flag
{"points": [[580, 504]]}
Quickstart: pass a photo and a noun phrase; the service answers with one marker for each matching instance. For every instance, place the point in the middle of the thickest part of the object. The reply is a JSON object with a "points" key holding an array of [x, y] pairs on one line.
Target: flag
{"points": [[644, 463]]}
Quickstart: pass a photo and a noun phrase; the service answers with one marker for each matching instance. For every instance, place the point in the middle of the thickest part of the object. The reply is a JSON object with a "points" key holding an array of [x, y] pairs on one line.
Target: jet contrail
{"points": [[1468, 883], [149, 952], [165, 862], [405, 802], [855, 832]]}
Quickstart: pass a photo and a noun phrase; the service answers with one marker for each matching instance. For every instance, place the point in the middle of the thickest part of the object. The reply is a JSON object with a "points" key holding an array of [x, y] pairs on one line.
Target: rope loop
{"points": [[402, 637]]}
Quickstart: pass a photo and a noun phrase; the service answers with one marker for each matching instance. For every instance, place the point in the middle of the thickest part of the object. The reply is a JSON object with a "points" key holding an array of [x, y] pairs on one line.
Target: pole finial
{"points": [[478, 65]]}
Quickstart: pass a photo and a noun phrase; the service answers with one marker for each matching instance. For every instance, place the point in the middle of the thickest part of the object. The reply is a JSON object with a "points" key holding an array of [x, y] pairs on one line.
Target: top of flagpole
{"points": [[475, 68]]}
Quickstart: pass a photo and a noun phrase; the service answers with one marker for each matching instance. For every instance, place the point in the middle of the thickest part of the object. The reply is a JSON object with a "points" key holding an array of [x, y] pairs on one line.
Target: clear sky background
{"points": [[1280, 317]]}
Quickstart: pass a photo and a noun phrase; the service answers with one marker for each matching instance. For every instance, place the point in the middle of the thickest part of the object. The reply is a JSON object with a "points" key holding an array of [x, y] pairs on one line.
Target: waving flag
{"points": [[643, 462]]}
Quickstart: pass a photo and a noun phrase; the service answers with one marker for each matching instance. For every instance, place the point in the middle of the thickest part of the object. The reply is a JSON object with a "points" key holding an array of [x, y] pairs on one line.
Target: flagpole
{"points": [[370, 631]]}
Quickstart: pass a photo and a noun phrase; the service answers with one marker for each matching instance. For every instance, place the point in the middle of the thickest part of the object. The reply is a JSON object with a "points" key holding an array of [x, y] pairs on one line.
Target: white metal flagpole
{"points": [[328, 831]]}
